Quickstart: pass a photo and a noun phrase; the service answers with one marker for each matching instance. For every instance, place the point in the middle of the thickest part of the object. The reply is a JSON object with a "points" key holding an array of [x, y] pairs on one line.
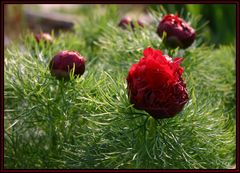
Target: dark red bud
{"points": [[140, 23], [47, 38], [125, 21], [62, 63], [179, 33]]}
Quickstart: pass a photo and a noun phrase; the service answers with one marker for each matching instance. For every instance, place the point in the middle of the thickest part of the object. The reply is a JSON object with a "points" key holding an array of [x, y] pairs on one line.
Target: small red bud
{"points": [[125, 21], [62, 63], [47, 38], [179, 33]]}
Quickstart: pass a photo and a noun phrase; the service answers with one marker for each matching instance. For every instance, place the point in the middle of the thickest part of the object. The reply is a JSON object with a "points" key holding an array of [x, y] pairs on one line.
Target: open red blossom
{"points": [[179, 32], [156, 86]]}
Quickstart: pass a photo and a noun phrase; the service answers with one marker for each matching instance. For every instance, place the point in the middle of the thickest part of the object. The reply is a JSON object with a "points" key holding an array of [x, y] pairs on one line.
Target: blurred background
{"points": [[19, 19]]}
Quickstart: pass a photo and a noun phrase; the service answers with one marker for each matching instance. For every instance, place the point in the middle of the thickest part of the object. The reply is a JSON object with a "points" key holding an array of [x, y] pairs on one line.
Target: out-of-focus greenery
{"points": [[222, 19]]}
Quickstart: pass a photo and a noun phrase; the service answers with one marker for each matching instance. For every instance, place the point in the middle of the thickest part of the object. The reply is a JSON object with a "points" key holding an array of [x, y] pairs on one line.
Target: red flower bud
{"points": [[43, 36], [156, 86], [62, 63], [140, 23], [179, 33], [125, 21]]}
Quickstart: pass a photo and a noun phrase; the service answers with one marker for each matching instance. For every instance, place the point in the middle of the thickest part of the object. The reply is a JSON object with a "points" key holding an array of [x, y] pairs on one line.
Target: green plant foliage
{"points": [[89, 123]]}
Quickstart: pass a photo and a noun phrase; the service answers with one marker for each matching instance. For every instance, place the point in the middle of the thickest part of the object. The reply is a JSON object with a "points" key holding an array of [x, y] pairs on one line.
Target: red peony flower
{"points": [[43, 36], [62, 63], [179, 33], [156, 86]]}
